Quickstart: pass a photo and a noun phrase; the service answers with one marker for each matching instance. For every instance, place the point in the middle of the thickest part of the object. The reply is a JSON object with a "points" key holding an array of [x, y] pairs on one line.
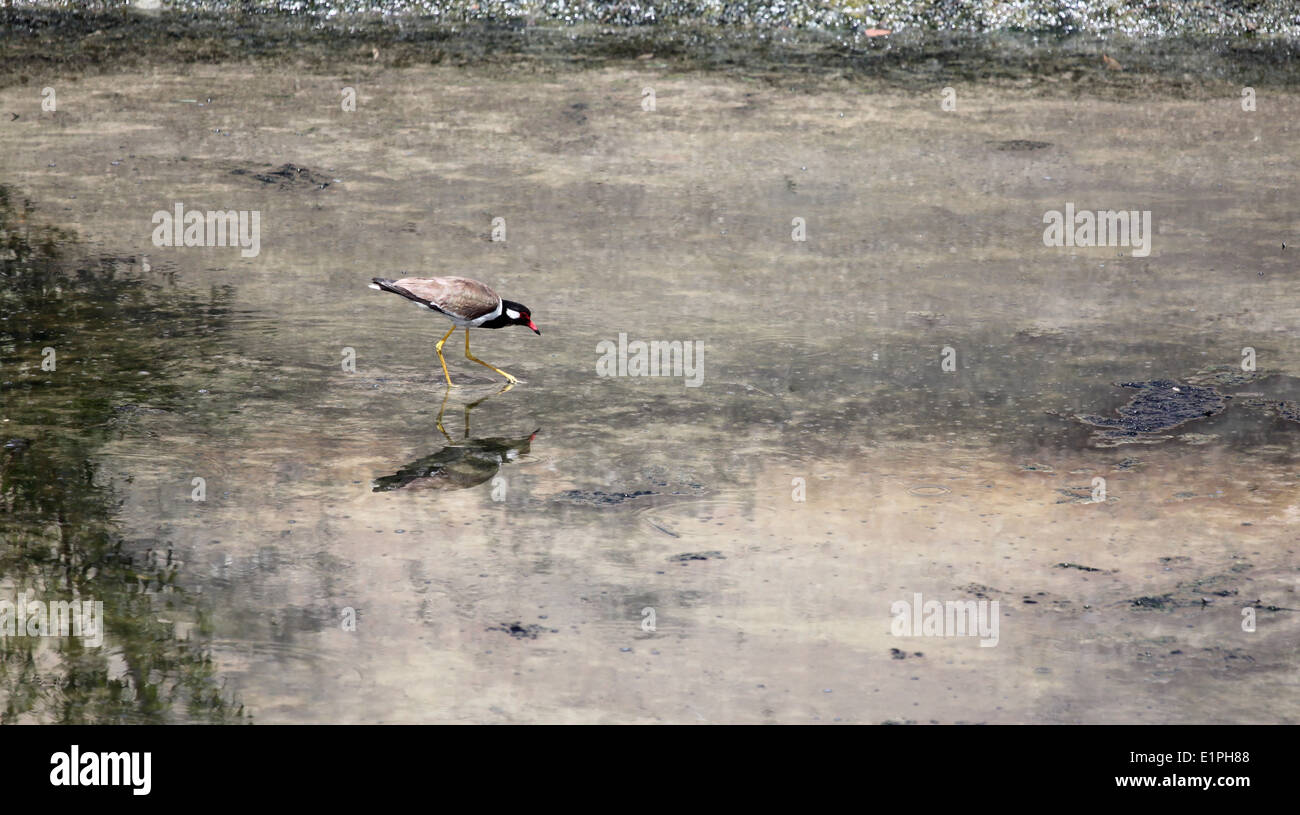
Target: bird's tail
{"points": [[388, 284]]}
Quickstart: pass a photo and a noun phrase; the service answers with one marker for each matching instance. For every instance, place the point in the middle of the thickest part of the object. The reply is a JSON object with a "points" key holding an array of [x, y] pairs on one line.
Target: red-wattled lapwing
{"points": [[467, 303]]}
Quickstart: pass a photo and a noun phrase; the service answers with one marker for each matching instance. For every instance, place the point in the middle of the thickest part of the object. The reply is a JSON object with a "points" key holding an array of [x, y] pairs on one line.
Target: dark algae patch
{"points": [[1078, 566], [288, 176], [1020, 145], [520, 631], [1288, 410], [600, 498], [1076, 495], [1159, 406], [686, 557], [1162, 405], [1162, 602], [1232, 586]]}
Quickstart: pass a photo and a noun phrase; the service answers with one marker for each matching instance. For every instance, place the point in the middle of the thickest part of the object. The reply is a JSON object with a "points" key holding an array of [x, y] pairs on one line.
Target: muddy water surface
{"points": [[503, 569]]}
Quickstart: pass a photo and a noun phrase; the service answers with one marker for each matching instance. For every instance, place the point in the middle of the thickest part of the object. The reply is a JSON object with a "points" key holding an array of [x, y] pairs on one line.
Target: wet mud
{"points": [[829, 465]]}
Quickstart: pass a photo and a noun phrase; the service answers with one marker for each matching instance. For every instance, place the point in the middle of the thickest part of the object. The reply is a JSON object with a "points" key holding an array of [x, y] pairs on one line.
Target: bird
{"points": [[467, 303]]}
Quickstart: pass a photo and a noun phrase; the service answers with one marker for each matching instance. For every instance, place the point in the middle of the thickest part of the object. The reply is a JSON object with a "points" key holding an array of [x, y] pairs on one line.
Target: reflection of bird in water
{"points": [[459, 465]]}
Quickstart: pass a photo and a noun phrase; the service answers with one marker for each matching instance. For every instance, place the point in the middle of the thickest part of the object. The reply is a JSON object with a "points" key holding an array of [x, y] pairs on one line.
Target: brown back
{"points": [[459, 296]]}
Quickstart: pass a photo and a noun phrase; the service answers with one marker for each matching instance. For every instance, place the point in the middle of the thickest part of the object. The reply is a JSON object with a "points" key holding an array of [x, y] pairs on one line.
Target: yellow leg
{"points": [[441, 429], [470, 356], [438, 348]]}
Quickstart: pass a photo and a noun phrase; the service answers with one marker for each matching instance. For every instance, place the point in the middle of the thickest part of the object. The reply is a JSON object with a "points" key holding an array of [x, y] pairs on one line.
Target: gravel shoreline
{"points": [[37, 42]]}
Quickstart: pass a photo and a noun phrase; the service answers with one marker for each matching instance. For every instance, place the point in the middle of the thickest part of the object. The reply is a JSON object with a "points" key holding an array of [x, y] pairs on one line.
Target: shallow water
{"points": [[512, 587]]}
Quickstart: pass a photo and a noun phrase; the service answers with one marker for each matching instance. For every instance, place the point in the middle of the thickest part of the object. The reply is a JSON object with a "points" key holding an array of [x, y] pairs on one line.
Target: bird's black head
{"points": [[518, 314]]}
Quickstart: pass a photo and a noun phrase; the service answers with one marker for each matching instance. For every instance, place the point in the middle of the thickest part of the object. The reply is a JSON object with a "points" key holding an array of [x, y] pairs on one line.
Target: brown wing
{"points": [[458, 296]]}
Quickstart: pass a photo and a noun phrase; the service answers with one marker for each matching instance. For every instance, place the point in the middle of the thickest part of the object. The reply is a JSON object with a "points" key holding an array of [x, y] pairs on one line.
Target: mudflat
{"points": [[886, 409]]}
